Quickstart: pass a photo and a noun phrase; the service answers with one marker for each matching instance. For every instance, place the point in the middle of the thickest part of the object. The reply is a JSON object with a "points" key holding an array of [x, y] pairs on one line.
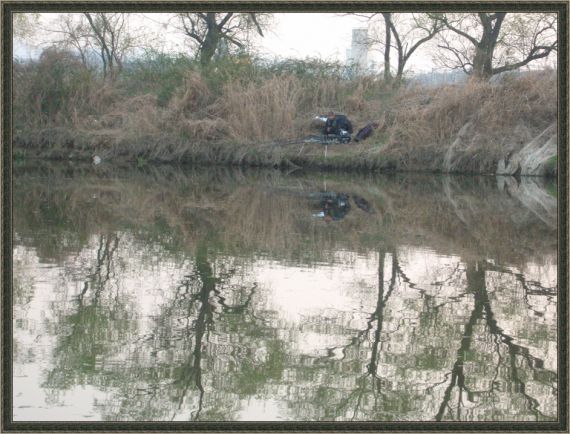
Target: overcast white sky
{"points": [[299, 35], [315, 35]]}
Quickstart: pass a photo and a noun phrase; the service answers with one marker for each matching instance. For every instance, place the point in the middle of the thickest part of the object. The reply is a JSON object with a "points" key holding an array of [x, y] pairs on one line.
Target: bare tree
{"points": [[24, 25], [420, 30], [109, 35], [102, 36], [485, 44], [73, 34], [405, 33], [209, 29]]}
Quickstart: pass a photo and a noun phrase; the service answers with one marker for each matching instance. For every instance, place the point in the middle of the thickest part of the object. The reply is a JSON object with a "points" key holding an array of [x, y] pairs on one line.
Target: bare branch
{"points": [[257, 26], [498, 42], [207, 30], [534, 54], [224, 20], [459, 32]]}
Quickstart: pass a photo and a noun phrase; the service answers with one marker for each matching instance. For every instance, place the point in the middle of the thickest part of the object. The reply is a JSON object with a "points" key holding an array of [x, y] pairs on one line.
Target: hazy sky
{"points": [[316, 35], [299, 35], [324, 35]]}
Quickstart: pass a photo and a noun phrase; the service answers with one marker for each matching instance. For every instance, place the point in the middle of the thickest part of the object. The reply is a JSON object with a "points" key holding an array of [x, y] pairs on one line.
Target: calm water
{"points": [[181, 294]]}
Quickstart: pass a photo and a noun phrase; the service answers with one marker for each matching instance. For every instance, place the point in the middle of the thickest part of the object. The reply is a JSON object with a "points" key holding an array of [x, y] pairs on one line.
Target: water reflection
{"points": [[218, 295]]}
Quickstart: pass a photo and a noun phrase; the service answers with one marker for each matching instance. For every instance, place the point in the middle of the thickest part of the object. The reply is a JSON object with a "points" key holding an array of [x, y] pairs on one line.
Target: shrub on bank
{"points": [[156, 73], [53, 91]]}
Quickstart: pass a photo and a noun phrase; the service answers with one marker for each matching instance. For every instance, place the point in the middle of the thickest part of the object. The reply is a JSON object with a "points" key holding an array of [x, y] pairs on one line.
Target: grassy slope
{"points": [[172, 111]]}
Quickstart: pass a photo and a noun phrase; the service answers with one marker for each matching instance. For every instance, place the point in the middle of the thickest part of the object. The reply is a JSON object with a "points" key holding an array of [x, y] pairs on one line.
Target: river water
{"points": [[213, 294]]}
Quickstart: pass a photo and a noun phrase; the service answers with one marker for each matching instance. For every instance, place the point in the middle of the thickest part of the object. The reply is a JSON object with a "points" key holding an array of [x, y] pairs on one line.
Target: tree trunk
{"points": [[399, 75], [211, 40], [387, 45], [482, 69], [475, 275], [483, 59]]}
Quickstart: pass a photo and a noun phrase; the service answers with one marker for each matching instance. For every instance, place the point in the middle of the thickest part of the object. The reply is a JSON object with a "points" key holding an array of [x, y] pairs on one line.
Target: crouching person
{"points": [[338, 125]]}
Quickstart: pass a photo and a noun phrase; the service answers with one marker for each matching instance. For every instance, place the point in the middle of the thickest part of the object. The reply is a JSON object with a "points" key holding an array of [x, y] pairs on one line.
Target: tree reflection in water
{"points": [[165, 295]]}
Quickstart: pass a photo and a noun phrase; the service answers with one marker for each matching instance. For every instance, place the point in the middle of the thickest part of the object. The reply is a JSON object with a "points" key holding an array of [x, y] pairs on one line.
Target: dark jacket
{"points": [[340, 122]]}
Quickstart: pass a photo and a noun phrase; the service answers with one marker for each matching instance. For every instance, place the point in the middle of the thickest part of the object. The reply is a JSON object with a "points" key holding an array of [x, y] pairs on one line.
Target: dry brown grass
{"points": [[192, 97], [502, 117], [235, 124], [282, 106], [262, 113]]}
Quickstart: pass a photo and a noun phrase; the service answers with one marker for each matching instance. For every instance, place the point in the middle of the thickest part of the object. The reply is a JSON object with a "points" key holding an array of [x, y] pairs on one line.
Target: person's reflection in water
{"points": [[335, 207]]}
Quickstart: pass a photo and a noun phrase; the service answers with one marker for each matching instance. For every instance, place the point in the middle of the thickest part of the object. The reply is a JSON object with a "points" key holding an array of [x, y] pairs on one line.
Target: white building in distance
{"points": [[357, 54]]}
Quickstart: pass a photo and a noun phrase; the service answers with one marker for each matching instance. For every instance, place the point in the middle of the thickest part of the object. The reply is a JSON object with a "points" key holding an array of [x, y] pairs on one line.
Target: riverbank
{"points": [[352, 157], [235, 114]]}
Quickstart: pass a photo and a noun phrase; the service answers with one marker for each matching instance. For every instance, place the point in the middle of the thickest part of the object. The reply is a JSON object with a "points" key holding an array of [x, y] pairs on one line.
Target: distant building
{"points": [[357, 54]]}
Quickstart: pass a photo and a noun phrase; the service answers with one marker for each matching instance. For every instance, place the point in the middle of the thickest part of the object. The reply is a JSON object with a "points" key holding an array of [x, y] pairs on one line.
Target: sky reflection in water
{"points": [[182, 294]]}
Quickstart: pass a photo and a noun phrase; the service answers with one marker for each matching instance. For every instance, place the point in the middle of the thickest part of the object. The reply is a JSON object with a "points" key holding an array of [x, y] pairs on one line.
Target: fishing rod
{"points": [[323, 139]]}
